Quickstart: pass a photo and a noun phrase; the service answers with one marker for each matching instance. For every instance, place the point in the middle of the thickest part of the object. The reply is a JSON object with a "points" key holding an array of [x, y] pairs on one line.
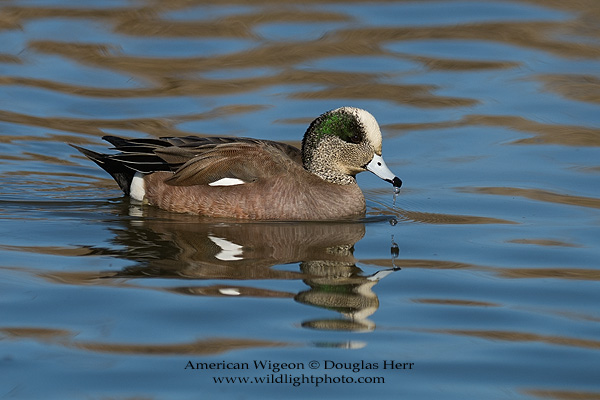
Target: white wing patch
{"points": [[230, 291], [379, 275], [227, 182], [229, 250], [137, 189]]}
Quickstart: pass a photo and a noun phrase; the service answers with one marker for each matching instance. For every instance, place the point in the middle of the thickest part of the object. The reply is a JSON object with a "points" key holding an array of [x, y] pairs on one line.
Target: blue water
{"points": [[480, 283]]}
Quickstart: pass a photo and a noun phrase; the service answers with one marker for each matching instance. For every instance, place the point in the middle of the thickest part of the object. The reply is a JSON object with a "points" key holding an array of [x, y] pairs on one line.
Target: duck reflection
{"points": [[166, 245], [342, 287]]}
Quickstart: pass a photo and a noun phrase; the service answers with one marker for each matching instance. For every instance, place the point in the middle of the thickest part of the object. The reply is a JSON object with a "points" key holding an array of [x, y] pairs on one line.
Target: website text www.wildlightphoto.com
{"points": [[292, 373]]}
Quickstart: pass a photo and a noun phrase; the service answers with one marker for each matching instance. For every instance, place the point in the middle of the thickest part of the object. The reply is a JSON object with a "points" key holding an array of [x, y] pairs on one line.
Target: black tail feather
{"points": [[120, 172], [134, 155], [136, 145], [148, 155]]}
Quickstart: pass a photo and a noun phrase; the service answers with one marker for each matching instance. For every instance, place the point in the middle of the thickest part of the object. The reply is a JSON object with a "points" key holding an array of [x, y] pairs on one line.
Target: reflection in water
{"points": [[341, 287], [539, 195], [187, 75], [563, 394], [528, 337], [188, 247], [567, 135], [434, 218], [543, 242], [204, 347], [565, 273], [157, 126]]}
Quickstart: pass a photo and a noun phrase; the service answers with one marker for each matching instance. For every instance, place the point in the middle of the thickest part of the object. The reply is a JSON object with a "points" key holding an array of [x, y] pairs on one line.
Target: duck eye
{"points": [[355, 139]]}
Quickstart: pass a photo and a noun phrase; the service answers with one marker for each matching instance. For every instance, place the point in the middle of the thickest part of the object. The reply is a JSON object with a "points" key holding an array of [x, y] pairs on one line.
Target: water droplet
{"points": [[395, 251], [396, 192], [393, 221]]}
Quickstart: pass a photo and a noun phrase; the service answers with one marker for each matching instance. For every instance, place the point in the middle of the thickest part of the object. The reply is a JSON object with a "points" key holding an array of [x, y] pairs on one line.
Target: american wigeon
{"points": [[251, 178]]}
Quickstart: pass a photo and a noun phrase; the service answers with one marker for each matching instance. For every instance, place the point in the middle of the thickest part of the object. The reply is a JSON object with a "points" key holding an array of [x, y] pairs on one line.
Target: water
{"points": [[483, 274]]}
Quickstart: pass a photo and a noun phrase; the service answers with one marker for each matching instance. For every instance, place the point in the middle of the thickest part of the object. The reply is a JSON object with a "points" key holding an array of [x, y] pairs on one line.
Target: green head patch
{"points": [[338, 123]]}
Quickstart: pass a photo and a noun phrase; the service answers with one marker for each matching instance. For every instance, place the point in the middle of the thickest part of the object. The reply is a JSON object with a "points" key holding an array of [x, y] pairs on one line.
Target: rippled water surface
{"points": [[488, 283]]}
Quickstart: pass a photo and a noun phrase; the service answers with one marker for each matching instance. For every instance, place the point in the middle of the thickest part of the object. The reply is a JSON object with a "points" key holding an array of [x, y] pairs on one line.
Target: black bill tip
{"points": [[397, 182]]}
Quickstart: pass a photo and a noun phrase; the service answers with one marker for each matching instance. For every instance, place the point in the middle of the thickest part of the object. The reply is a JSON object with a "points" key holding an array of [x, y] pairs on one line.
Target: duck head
{"points": [[342, 143]]}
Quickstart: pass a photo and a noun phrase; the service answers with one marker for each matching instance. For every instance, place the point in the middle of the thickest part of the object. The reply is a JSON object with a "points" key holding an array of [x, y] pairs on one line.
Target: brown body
{"points": [[280, 198]]}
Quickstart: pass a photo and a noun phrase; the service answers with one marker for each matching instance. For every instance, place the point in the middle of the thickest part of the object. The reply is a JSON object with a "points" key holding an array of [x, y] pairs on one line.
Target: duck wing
{"points": [[248, 160], [176, 151], [196, 160], [190, 146]]}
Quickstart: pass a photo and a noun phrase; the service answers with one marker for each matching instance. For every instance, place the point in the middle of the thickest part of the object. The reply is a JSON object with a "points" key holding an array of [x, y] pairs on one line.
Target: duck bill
{"points": [[379, 168]]}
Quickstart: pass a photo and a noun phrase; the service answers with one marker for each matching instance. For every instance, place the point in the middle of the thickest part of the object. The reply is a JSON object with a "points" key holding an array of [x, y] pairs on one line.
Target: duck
{"points": [[254, 179]]}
